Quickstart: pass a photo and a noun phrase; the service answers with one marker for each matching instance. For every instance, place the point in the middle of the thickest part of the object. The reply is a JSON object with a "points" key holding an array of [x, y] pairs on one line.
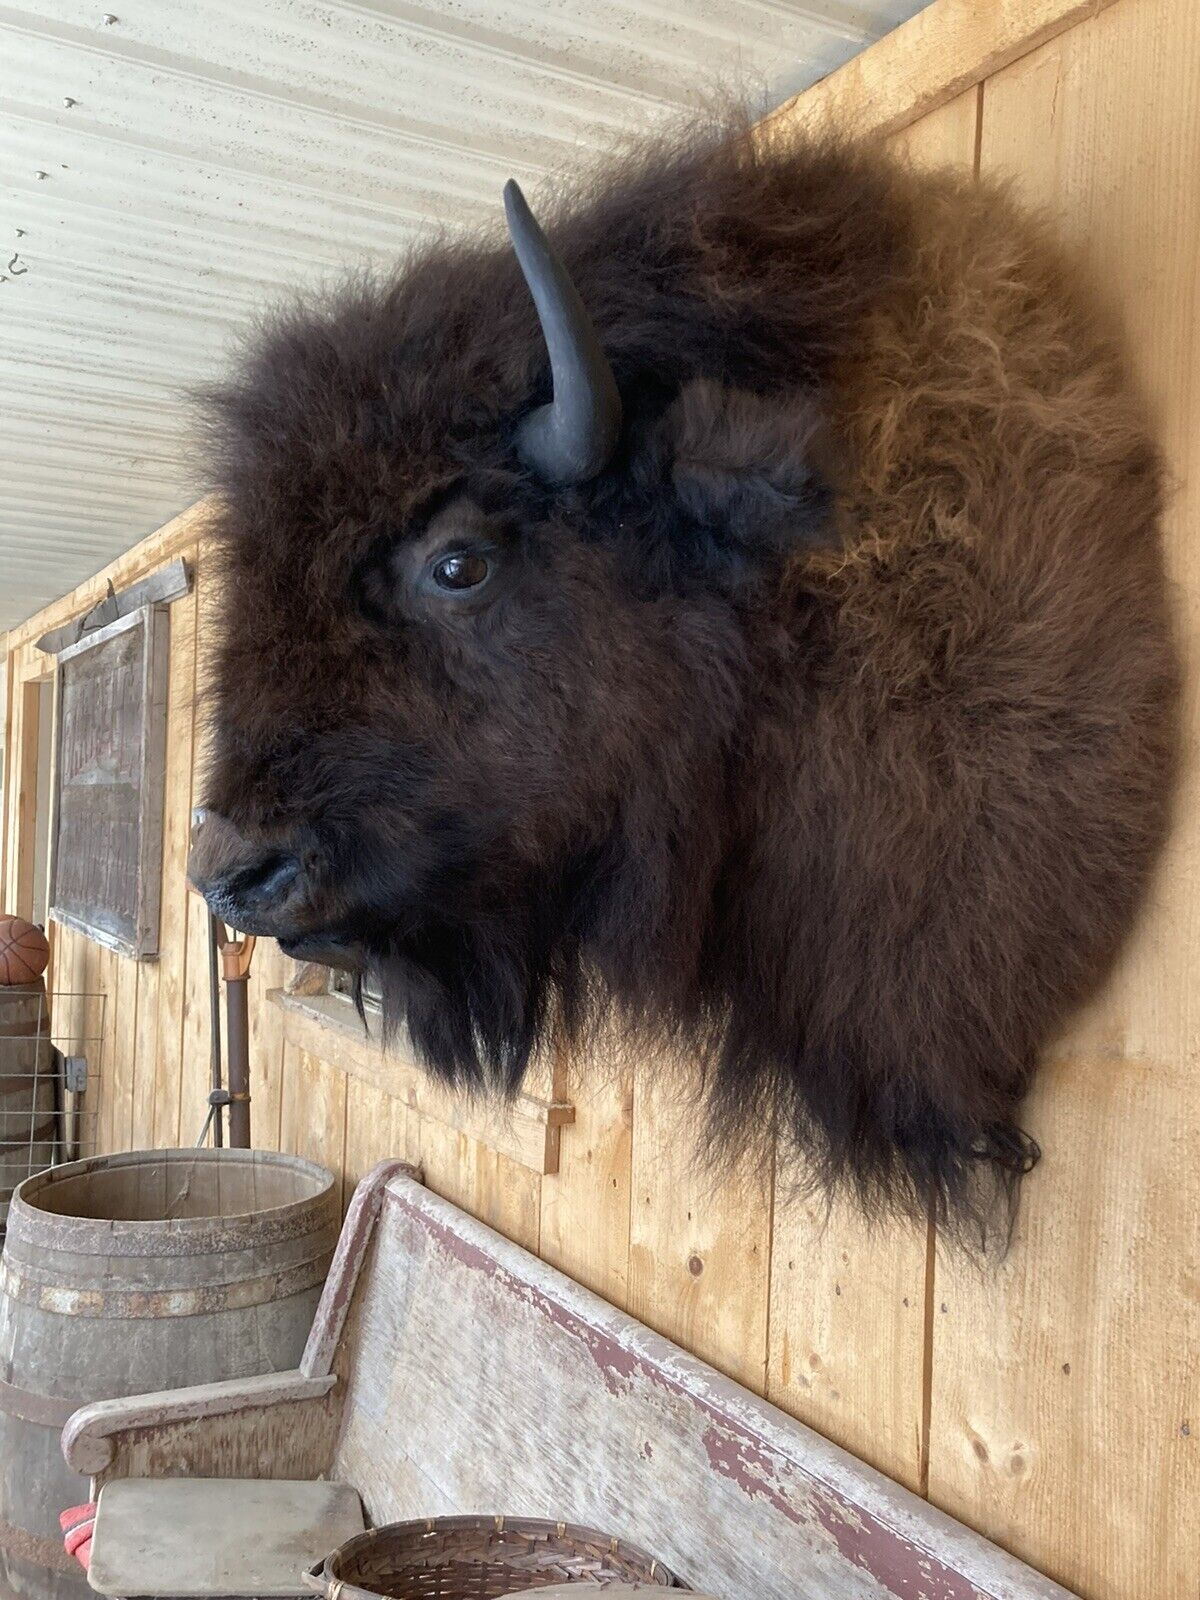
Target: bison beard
{"points": [[823, 732]]}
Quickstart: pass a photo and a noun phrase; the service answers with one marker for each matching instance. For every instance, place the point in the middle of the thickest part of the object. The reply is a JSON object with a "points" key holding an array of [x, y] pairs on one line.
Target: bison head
{"points": [[631, 619], [485, 658]]}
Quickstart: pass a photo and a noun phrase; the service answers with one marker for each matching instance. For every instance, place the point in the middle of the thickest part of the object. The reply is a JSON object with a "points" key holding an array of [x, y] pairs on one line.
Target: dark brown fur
{"points": [[828, 734]]}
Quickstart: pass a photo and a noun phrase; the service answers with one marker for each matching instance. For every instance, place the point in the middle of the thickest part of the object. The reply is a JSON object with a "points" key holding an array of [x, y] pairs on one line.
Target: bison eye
{"points": [[461, 571]]}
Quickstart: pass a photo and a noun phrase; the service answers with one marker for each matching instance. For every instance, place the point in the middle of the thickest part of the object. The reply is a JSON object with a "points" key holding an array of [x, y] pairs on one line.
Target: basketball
{"points": [[24, 951]]}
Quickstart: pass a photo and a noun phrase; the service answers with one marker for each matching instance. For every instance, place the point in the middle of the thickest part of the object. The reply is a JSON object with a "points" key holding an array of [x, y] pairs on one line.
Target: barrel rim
{"points": [[24, 1210]]}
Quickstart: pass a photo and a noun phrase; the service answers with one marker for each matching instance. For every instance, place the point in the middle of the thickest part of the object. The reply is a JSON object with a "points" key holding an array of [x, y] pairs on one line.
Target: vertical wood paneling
{"points": [[145, 1058], [6, 791], [161, 986], [945, 49], [123, 981], [376, 1130], [25, 756], [96, 1008], [946, 138], [268, 970], [100, 977], [699, 1240], [849, 1333], [489, 1185], [87, 959], [314, 1109], [190, 1089], [585, 1204], [1066, 1388], [66, 1013]]}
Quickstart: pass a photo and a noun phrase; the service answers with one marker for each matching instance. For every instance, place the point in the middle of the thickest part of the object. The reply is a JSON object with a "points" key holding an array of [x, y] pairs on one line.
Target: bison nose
{"points": [[266, 881], [244, 882], [248, 896]]}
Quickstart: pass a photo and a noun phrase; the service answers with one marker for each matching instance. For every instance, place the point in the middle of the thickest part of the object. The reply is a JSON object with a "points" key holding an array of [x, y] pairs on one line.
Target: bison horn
{"points": [[574, 437]]}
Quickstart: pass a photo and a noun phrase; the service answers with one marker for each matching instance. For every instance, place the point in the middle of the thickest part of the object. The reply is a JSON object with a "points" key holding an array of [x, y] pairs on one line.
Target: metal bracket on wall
{"points": [[75, 1074]]}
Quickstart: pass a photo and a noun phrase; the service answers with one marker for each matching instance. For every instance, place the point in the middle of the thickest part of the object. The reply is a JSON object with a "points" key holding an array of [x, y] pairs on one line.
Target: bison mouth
{"points": [[342, 951]]}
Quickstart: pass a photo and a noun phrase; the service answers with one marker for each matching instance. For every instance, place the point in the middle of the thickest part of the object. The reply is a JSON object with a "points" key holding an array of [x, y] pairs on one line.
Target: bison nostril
{"points": [[267, 880]]}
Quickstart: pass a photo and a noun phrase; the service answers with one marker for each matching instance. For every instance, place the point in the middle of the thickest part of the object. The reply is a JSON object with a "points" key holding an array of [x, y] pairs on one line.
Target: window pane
{"points": [[343, 983]]}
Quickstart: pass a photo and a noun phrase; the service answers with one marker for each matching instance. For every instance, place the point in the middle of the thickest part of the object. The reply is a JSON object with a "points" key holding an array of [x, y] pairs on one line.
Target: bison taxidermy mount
{"points": [[739, 609]]}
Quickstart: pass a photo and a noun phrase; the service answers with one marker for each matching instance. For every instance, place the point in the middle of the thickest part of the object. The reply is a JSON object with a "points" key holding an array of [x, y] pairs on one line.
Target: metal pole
{"points": [[235, 962], [237, 1013], [216, 941]]}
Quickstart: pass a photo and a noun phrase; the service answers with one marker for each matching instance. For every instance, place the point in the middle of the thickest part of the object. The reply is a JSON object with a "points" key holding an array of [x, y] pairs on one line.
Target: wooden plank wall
{"points": [[1051, 1401]]}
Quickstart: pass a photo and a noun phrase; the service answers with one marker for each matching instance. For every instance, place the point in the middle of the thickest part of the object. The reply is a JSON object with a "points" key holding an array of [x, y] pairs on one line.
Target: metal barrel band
{"points": [[34, 1548], [45, 1410], [32, 1272], [126, 1304], [38, 1231]]}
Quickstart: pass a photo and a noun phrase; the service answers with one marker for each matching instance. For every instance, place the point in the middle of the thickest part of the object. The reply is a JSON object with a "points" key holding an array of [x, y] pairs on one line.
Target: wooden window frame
{"points": [[154, 622]]}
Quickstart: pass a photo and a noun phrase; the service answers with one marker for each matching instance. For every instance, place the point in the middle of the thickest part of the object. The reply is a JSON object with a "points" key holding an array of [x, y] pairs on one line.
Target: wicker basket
{"points": [[478, 1558]]}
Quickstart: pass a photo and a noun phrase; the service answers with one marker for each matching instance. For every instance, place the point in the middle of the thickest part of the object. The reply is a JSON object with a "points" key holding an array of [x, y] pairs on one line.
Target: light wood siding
{"points": [[1051, 1401], [1066, 1386]]}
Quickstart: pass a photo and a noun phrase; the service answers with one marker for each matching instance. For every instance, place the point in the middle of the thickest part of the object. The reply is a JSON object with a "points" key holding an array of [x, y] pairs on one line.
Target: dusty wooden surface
{"points": [[1066, 1385], [533, 1389], [124, 1276], [212, 1537], [292, 1437], [473, 1379], [612, 1591], [275, 1424], [1091, 1473]]}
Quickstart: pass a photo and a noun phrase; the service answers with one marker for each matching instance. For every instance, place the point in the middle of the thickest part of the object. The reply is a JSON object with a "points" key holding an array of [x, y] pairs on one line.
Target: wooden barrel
{"points": [[27, 1088], [129, 1273]]}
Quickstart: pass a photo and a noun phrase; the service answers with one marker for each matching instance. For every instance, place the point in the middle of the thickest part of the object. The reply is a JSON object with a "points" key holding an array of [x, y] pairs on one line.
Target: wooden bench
{"points": [[449, 1371]]}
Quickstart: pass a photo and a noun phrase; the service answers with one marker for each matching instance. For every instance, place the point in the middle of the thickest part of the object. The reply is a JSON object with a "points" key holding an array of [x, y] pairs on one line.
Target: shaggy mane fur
{"points": [[826, 737]]}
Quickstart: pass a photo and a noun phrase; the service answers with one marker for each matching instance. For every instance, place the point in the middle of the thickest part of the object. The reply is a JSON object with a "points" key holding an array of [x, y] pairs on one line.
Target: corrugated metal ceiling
{"points": [[171, 165]]}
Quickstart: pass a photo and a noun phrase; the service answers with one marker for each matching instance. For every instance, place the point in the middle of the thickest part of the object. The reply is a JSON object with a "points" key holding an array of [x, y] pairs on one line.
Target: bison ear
{"points": [[748, 467]]}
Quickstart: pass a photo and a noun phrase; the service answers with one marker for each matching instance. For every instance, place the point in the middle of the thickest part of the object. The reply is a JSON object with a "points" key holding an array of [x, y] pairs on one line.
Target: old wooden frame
{"points": [[104, 924], [450, 1372]]}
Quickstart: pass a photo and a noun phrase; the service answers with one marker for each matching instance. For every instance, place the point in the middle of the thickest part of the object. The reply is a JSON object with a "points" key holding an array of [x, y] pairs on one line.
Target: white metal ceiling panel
{"points": [[170, 165]]}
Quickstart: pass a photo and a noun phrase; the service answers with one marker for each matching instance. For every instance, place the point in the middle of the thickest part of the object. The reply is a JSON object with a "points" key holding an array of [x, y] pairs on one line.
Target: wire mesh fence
{"points": [[51, 1072]]}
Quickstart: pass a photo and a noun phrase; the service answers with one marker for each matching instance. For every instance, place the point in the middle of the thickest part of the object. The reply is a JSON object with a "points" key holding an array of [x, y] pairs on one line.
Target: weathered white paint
{"points": [[169, 171], [210, 1536], [474, 1379]]}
